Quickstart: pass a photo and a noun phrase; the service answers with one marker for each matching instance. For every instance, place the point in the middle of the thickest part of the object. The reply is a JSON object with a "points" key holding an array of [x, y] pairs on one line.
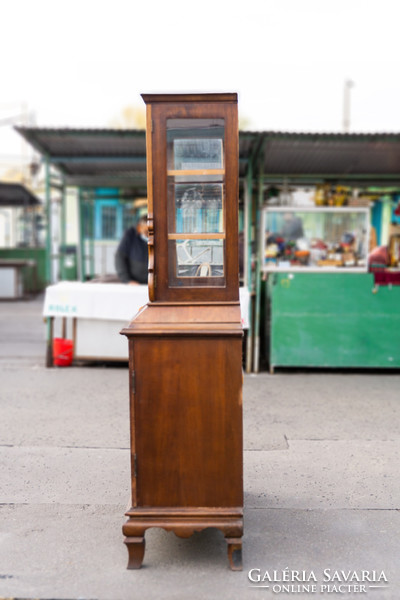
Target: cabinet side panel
{"points": [[149, 161], [188, 411], [132, 420]]}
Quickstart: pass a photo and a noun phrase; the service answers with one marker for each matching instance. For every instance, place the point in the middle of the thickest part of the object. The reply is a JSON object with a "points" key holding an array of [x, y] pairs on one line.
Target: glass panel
{"points": [[198, 258], [195, 144], [198, 208], [197, 153], [317, 238], [196, 203]]}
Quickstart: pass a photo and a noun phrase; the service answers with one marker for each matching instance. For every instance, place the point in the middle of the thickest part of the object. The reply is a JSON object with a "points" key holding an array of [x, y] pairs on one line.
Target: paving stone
{"points": [[325, 474]]}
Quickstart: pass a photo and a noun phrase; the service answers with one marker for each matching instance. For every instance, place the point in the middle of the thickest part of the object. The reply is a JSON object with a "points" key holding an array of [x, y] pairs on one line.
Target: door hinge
{"points": [[133, 382], [134, 465]]}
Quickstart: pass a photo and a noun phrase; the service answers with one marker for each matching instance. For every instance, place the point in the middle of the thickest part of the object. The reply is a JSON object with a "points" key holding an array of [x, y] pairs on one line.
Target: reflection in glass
{"points": [[195, 144], [199, 258], [198, 153], [198, 208]]}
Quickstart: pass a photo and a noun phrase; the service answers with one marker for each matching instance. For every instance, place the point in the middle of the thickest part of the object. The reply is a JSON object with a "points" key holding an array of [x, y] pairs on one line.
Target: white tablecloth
{"points": [[110, 301]]}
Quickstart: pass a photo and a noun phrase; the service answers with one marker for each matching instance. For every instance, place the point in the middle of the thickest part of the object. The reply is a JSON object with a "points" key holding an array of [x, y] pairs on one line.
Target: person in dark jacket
{"points": [[131, 257]]}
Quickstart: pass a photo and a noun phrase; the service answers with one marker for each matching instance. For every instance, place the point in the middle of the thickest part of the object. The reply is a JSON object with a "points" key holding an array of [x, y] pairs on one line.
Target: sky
{"points": [[79, 62]]}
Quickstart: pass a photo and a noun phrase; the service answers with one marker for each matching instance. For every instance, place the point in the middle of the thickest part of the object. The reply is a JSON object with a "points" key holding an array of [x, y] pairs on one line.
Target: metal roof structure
{"points": [[357, 159], [15, 194], [107, 157], [93, 157]]}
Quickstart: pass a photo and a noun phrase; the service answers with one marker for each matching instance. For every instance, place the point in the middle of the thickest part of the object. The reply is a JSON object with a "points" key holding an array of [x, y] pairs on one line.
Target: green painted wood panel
{"points": [[333, 320]]}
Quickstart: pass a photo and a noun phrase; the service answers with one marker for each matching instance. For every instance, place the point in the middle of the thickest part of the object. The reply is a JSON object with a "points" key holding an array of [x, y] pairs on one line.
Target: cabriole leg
{"points": [[136, 547], [235, 553]]}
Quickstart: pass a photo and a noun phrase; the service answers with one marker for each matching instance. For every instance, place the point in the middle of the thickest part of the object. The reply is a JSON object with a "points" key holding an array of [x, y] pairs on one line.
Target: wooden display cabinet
{"points": [[185, 345]]}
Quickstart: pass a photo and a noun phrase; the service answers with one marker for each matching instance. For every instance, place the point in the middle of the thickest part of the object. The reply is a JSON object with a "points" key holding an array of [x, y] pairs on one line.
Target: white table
{"points": [[94, 313]]}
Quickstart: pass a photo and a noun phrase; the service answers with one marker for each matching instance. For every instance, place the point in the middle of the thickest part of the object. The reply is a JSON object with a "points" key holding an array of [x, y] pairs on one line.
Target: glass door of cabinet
{"points": [[196, 202]]}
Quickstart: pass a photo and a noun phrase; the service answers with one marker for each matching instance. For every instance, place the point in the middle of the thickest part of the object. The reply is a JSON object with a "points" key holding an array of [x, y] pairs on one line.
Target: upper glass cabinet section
{"points": [[192, 148], [196, 202], [319, 239]]}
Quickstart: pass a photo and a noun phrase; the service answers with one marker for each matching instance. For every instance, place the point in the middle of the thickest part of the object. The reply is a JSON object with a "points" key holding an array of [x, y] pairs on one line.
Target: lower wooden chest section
{"points": [[186, 438]]}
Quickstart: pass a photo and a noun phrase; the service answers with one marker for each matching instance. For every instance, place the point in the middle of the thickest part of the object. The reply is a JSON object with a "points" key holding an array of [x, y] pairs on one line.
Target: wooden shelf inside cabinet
{"points": [[196, 236], [194, 172]]}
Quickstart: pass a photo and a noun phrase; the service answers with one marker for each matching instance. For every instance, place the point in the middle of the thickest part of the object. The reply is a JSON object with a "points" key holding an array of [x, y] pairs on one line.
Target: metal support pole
{"points": [[248, 276], [257, 310], [82, 269], [48, 221], [33, 239], [92, 247], [63, 228], [25, 232], [245, 234], [49, 341]]}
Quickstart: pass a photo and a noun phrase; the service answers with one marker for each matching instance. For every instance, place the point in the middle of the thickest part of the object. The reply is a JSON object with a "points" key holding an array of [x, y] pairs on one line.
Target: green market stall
{"points": [[337, 320], [319, 306]]}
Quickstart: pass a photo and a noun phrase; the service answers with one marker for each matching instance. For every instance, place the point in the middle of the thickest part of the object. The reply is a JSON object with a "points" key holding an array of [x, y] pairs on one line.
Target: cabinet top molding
{"points": [[223, 97]]}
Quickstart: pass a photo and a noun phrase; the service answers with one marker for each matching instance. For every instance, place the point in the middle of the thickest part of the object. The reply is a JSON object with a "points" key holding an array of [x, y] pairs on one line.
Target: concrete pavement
{"points": [[322, 484]]}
